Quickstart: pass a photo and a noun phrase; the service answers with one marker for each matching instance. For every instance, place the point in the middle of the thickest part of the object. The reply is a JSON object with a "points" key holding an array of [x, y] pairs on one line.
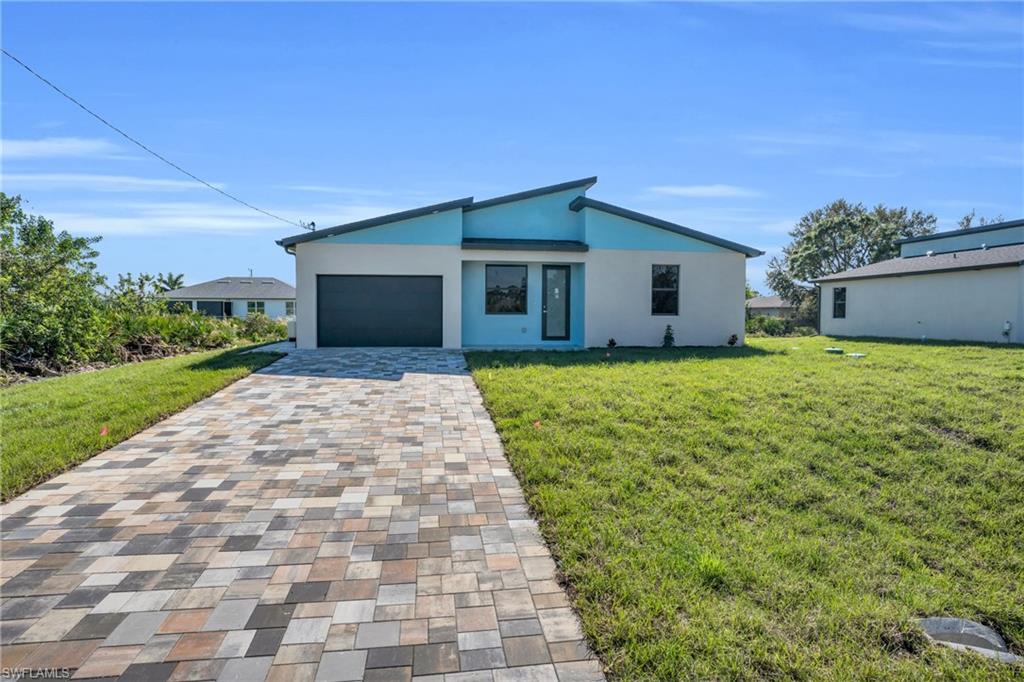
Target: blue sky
{"points": [[733, 119]]}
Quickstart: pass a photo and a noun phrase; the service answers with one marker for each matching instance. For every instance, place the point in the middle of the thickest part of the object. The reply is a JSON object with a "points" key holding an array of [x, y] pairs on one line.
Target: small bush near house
{"points": [[259, 327], [669, 339]]}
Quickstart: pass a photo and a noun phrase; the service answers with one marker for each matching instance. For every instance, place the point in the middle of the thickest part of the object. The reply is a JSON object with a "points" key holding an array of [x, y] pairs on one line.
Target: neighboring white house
{"points": [[238, 296], [545, 268], [770, 306], [962, 285]]}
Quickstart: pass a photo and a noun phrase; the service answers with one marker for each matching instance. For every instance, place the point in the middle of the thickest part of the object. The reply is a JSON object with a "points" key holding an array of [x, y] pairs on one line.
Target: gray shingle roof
{"points": [[252, 288], [769, 302], [977, 259], [958, 233]]}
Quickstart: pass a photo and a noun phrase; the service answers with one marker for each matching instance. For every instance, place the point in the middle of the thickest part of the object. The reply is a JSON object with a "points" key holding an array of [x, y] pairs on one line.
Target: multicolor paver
{"points": [[340, 515]]}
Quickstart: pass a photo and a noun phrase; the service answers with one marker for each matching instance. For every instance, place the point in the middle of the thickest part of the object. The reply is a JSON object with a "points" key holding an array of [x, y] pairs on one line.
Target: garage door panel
{"points": [[379, 310]]}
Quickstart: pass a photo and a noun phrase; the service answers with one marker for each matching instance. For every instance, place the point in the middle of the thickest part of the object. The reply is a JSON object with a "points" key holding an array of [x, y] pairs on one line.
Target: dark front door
{"points": [[378, 310], [555, 300]]}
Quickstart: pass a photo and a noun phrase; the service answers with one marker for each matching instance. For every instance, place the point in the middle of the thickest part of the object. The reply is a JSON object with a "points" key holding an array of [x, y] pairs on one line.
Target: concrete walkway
{"points": [[340, 515]]}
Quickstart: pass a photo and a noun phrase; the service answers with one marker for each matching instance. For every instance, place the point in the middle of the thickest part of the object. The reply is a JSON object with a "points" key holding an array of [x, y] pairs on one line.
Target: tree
{"points": [[135, 295], [170, 281], [48, 290], [751, 291], [967, 222], [838, 237]]}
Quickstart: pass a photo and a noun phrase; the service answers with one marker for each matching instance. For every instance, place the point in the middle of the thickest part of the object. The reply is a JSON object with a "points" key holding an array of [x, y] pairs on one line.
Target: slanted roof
{"points": [[769, 302], [252, 288], [956, 233], [976, 259], [582, 183], [581, 202], [375, 222], [466, 204]]}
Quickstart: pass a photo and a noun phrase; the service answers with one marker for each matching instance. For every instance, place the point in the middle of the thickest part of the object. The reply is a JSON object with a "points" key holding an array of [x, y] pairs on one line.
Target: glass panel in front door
{"points": [[556, 302]]}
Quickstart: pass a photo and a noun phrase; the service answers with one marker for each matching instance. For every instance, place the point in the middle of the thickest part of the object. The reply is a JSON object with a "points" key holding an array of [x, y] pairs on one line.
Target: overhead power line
{"points": [[140, 145]]}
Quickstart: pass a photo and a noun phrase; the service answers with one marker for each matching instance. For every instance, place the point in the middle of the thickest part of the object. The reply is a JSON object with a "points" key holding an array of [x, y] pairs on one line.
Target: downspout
{"points": [[818, 287]]}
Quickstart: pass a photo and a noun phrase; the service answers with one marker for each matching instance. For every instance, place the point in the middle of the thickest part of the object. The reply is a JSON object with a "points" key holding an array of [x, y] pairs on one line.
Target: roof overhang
{"points": [[582, 184], [579, 203], [481, 243], [374, 222]]}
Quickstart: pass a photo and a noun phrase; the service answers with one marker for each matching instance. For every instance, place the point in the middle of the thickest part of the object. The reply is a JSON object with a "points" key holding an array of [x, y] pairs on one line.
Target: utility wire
{"points": [[145, 148]]}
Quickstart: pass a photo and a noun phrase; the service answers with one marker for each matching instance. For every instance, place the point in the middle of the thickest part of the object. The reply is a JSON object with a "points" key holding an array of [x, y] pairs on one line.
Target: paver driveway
{"points": [[340, 515]]}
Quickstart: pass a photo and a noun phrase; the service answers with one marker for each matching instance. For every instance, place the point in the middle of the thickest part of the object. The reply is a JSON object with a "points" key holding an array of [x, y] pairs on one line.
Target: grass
{"points": [[51, 425], [774, 512]]}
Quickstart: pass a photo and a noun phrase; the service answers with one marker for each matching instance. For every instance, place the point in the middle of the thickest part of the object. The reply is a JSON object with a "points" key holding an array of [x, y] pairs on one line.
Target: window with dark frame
{"points": [[255, 307], [664, 290], [505, 290], [289, 308], [839, 302]]}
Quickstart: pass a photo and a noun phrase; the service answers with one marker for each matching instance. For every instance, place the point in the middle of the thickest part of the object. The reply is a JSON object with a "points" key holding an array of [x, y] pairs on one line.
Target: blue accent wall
{"points": [[481, 329], [443, 228], [607, 231], [544, 217], [966, 240]]}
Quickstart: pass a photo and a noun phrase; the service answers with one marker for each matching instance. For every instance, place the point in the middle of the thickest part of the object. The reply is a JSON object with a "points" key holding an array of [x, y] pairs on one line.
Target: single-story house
{"points": [[544, 268], [238, 296], [962, 285], [770, 306]]}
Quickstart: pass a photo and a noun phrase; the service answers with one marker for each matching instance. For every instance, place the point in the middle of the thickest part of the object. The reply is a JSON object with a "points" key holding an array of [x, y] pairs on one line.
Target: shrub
{"points": [[259, 327], [669, 339], [762, 325]]}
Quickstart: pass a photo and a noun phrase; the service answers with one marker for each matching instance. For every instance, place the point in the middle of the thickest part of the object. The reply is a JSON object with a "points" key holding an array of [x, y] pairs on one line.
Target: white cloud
{"points": [[975, 46], [961, 149], [327, 189], [704, 191], [972, 63], [859, 173], [947, 21], [163, 218], [96, 183], [51, 147]]}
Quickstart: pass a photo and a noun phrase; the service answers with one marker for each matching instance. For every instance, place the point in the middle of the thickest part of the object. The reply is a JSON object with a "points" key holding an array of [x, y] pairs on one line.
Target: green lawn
{"points": [[774, 512], [51, 425]]}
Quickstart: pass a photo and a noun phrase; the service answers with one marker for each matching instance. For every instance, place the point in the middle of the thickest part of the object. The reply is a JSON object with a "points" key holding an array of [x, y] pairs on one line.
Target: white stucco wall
{"points": [[273, 309], [617, 288], [319, 258], [618, 303], [968, 305]]}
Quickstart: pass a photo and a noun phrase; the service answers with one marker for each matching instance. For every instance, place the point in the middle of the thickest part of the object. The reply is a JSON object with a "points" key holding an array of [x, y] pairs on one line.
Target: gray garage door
{"points": [[378, 310]]}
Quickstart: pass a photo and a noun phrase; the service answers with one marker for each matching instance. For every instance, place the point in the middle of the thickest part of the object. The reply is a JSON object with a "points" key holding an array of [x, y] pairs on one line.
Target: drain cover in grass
{"points": [[834, 350], [967, 635]]}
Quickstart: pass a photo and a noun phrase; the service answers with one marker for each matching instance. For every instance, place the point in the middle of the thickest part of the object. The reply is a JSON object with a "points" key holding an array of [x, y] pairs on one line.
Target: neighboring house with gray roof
{"points": [[770, 306], [963, 285], [238, 296]]}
